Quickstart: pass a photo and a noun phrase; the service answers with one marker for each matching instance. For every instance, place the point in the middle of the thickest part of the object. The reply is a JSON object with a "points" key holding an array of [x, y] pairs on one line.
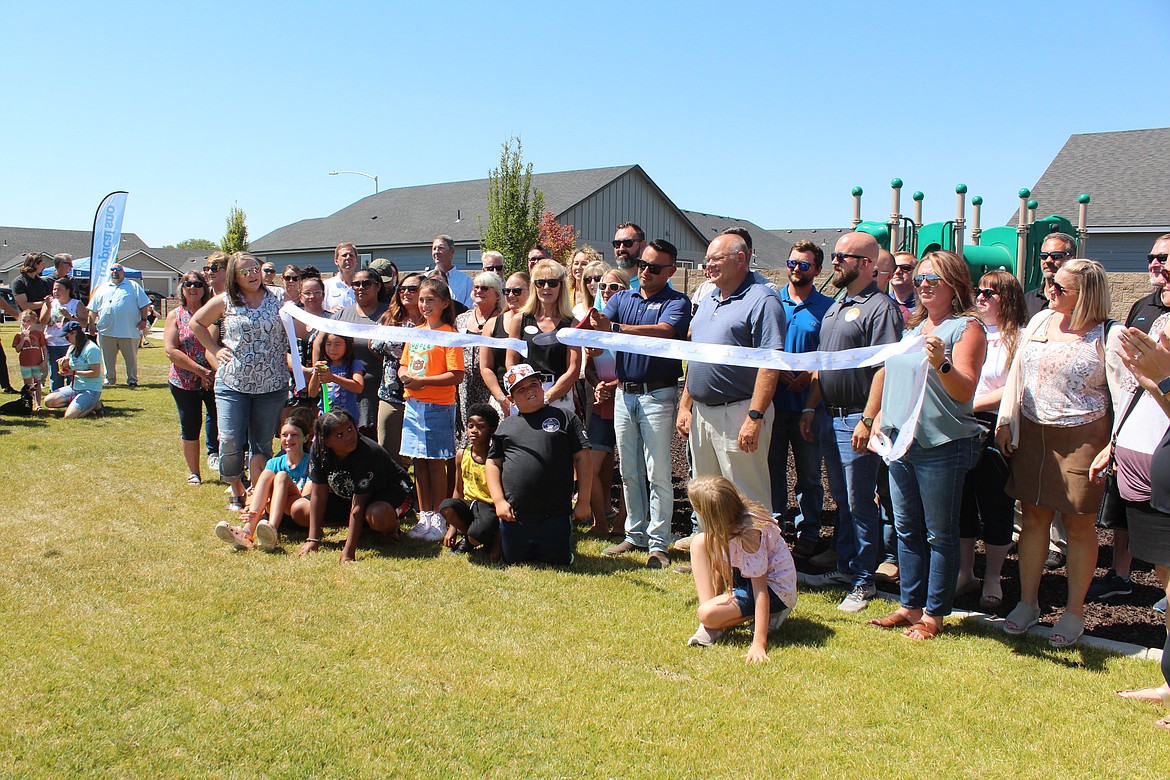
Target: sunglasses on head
{"points": [[1055, 255], [553, 283], [513, 291], [985, 292], [803, 265], [934, 280], [624, 242], [194, 283], [611, 286], [839, 256]]}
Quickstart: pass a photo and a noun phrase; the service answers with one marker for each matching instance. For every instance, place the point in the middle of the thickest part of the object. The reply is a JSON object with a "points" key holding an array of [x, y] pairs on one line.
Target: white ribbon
{"points": [[880, 443], [751, 357], [396, 335]]}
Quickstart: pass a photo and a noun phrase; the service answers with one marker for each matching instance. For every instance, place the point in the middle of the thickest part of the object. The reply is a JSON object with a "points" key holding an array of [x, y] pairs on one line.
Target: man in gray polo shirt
{"points": [[864, 317], [726, 411]]}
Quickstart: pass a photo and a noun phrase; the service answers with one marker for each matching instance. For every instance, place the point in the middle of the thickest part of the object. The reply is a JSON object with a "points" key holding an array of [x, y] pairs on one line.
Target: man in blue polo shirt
{"points": [[804, 308], [726, 411], [646, 399]]}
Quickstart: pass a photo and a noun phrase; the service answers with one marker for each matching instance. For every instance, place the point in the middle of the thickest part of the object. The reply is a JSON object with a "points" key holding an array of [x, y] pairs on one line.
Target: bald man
{"points": [[863, 317]]}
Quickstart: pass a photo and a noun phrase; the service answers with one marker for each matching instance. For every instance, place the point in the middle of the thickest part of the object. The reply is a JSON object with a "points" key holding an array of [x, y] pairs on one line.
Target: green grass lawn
{"points": [[136, 644]]}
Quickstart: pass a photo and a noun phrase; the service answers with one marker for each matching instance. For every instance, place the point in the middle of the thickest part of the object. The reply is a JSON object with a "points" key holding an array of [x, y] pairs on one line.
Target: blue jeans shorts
{"points": [[745, 598]]}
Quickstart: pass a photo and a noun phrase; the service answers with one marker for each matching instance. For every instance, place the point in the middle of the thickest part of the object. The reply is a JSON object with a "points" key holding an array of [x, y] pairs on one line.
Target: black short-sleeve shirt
{"points": [[368, 470], [1146, 310], [34, 288], [537, 451]]}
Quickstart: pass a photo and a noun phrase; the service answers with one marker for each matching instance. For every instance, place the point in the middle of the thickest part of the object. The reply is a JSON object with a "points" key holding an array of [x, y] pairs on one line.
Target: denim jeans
{"points": [[806, 455], [57, 381], [859, 525], [926, 486], [245, 416], [644, 423]]}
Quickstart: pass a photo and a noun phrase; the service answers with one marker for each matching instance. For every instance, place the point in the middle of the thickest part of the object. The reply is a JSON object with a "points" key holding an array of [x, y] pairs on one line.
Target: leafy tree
{"points": [[559, 239], [202, 244], [236, 237], [513, 208]]}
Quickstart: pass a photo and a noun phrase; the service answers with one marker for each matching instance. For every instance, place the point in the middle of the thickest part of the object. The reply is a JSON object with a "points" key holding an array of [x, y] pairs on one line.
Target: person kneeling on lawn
{"points": [[742, 566], [356, 483], [470, 510], [530, 474]]}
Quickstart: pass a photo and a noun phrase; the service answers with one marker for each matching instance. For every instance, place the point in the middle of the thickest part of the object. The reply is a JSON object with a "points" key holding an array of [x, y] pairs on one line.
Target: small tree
{"points": [[513, 208], [560, 239], [202, 244], [236, 237]]}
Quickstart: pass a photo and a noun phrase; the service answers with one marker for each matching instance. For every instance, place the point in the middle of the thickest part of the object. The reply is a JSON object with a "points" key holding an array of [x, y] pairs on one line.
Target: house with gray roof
{"points": [[16, 242], [399, 224], [1127, 177], [770, 248]]}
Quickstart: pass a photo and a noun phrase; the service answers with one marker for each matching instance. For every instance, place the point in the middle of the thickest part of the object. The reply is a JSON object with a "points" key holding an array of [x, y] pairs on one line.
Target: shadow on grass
{"points": [[1076, 657], [32, 421], [796, 632]]}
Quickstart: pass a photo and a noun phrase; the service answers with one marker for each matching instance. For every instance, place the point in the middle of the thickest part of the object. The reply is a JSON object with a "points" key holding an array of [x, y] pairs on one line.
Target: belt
{"points": [[844, 411], [641, 388]]}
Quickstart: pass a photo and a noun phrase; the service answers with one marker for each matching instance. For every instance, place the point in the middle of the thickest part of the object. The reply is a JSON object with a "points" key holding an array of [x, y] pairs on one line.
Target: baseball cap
{"points": [[517, 374], [70, 327]]}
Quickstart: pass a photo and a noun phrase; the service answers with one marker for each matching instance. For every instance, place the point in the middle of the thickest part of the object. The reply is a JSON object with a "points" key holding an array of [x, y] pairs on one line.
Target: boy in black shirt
{"points": [[530, 474]]}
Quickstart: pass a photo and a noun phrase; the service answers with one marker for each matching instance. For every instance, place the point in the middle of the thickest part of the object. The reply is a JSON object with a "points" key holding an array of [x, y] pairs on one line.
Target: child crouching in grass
{"points": [[742, 567], [470, 511]]}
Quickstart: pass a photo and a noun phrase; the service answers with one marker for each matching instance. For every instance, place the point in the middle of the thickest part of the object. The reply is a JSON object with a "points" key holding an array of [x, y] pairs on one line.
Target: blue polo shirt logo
{"points": [[551, 425]]}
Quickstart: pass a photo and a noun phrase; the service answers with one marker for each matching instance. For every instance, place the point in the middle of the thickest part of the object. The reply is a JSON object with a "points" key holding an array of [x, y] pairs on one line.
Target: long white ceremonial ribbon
{"points": [[298, 371], [394, 334], [752, 357], [880, 443]]}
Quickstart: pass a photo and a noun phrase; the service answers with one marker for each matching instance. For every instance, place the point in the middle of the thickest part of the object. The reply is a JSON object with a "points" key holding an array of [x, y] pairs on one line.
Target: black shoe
{"points": [[1108, 586], [11, 390], [1054, 561], [462, 547]]}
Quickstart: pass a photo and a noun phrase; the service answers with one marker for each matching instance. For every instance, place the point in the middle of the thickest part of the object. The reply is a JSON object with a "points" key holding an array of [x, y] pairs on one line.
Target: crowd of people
{"points": [[994, 397]]}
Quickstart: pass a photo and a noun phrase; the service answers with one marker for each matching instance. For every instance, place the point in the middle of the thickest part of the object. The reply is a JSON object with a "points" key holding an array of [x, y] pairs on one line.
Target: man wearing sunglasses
{"points": [[864, 317], [1056, 249], [902, 282], [629, 241], [119, 308], [804, 308], [726, 411], [646, 400], [493, 262]]}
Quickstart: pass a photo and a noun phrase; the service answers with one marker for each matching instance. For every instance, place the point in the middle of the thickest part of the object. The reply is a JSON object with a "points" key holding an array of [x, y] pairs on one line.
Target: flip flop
{"points": [[1159, 695], [921, 631], [1020, 619], [1067, 631], [892, 620]]}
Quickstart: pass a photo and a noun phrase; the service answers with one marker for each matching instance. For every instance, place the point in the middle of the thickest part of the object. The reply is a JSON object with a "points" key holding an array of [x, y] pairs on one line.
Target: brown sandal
{"points": [[893, 620], [922, 630]]}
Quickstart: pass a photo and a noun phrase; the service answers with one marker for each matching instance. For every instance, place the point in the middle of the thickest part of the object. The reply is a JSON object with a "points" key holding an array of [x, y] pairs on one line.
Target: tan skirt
{"points": [[1050, 468]]}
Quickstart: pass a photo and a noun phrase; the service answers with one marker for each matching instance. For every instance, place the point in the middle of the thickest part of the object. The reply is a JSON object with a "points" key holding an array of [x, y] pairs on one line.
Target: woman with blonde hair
{"points": [[548, 310], [582, 258], [1054, 420], [487, 297], [741, 565], [926, 480]]}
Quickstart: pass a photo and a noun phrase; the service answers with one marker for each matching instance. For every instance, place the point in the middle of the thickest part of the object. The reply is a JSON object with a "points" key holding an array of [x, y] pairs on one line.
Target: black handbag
{"points": [[1111, 514]]}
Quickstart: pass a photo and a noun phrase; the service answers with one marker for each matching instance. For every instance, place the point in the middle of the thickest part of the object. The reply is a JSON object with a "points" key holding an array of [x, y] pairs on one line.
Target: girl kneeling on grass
{"points": [[739, 554], [355, 483], [283, 482]]}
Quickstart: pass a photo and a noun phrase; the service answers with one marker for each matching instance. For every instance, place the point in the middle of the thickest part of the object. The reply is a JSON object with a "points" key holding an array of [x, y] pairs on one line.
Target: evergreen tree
{"points": [[236, 237], [514, 208]]}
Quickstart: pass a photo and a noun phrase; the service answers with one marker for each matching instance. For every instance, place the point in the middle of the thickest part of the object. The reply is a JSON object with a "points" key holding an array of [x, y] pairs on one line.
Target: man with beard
{"points": [[1056, 249], [804, 308], [902, 282], [864, 317], [629, 241]]}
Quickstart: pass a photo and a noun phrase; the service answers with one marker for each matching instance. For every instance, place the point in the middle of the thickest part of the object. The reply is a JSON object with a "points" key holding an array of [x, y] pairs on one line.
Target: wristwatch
{"points": [[752, 413], [1164, 386], [867, 422], [945, 368], [615, 327]]}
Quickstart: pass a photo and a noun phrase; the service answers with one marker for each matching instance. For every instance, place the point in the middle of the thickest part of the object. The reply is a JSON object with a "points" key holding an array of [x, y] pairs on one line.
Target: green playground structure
{"points": [[1014, 249]]}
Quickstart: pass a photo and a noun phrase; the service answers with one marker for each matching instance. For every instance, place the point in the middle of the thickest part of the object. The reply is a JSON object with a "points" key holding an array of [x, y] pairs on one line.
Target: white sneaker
{"points": [[421, 528], [704, 637], [213, 462], [858, 598], [266, 536], [831, 578], [778, 619]]}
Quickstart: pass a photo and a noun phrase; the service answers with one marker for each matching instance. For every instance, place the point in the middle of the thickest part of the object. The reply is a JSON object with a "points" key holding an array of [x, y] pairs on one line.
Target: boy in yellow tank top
{"points": [[470, 511]]}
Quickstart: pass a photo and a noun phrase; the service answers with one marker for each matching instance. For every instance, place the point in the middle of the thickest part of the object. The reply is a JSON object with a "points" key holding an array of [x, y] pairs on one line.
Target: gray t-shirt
{"points": [[869, 319], [752, 316]]}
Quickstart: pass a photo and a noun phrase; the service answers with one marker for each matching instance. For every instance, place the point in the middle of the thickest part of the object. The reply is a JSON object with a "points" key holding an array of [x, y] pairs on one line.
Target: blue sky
{"points": [[764, 111]]}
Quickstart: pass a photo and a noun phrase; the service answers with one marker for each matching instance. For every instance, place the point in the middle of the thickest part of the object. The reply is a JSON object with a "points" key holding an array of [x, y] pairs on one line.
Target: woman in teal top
{"points": [[926, 482], [83, 362]]}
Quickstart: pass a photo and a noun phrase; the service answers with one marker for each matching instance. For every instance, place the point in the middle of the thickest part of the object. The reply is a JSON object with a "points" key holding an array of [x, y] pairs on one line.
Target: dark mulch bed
{"points": [[1124, 618]]}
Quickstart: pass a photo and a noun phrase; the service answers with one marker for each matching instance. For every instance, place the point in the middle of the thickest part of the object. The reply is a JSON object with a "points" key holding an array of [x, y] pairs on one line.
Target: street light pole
{"points": [[359, 173]]}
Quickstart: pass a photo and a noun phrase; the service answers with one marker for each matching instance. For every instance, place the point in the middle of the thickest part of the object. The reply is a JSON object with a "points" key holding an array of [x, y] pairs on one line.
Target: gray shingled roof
{"points": [[175, 258], [15, 242], [1127, 175], [825, 238], [771, 249], [417, 214]]}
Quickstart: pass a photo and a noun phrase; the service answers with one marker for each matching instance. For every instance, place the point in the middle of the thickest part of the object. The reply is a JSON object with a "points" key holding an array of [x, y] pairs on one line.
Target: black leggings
{"points": [[986, 505], [191, 404]]}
